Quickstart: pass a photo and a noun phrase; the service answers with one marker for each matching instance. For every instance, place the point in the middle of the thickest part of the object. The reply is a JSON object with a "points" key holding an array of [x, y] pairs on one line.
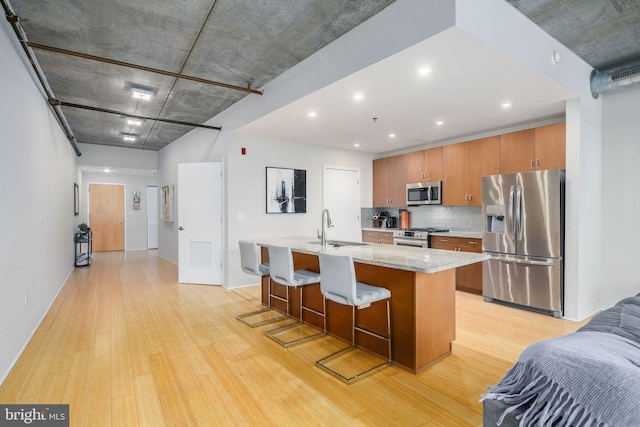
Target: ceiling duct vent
{"points": [[614, 78]]}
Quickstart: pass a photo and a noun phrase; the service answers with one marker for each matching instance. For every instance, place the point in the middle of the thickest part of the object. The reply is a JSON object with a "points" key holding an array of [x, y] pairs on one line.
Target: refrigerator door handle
{"points": [[525, 262], [518, 209], [511, 227]]}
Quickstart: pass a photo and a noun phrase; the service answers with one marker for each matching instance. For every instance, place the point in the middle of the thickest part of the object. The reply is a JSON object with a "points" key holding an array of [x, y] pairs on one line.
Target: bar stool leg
{"points": [[349, 380], [245, 317]]}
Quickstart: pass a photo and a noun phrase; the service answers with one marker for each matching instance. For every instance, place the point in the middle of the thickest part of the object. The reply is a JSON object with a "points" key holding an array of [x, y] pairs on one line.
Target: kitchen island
{"points": [[422, 285]]}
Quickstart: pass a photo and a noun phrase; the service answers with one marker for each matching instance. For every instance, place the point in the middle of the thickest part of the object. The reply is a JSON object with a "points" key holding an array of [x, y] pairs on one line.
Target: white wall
{"points": [[125, 160], [37, 172], [619, 253], [246, 187]]}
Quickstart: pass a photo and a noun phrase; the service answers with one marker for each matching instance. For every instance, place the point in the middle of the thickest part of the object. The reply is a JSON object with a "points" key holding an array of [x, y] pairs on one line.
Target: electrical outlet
{"points": [[26, 297]]}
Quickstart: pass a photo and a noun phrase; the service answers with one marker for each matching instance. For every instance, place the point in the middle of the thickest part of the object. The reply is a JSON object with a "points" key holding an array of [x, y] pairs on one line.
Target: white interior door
{"points": [[152, 217], [341, 195], [200, 223]]}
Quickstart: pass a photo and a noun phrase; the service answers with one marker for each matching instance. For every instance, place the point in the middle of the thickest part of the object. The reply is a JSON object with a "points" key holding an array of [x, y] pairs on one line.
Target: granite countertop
{"points": [[463, 234], [452, 233], [420, 260]]}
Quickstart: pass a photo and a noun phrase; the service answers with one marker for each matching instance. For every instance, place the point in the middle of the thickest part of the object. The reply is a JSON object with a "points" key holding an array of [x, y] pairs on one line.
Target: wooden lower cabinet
{"points": [[469, 277], [372, 236]]}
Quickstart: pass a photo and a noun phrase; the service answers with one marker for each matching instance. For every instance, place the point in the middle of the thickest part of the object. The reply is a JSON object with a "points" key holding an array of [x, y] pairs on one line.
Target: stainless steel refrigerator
{"points": [[524, 234]]}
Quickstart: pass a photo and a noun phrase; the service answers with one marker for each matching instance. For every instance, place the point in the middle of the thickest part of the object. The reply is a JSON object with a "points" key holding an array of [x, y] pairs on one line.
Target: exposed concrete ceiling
{"points": [[602, 32], [238, 42], [247, 43]]}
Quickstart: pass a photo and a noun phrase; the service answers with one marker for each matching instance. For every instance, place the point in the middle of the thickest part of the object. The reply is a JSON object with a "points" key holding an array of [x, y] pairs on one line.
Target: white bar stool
{"points": [[250, 263], [281, 271], [338, 283]]}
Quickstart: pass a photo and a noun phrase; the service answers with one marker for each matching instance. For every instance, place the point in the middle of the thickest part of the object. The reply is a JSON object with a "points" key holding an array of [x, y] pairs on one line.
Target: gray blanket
{"points": [[588, 378]]}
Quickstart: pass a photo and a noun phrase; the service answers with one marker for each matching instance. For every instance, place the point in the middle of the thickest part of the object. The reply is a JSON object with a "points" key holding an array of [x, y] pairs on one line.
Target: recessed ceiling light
{"points": [[356, 145], [423, 71], [439, 122], [134, 122], [142, 94], [392, 135], [312, 114], [358, 96], [129, 138], [107, 170], [506, 105]]}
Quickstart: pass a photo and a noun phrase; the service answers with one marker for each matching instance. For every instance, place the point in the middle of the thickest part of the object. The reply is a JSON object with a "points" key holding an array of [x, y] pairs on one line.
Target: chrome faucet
{"points": [[327, 222]]}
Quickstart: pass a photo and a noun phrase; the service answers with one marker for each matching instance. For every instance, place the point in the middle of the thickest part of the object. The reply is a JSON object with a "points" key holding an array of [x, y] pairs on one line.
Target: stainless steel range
{"points": [[415, 237]]}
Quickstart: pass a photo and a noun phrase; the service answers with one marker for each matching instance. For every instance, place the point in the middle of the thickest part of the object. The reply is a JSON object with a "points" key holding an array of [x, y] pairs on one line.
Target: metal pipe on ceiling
{"points": [[58, 103], [616, 77], [142, 68], [14, 20]]}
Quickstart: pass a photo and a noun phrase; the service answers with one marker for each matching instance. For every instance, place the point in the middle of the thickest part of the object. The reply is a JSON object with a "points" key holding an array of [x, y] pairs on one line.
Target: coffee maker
{"points": [[380, 219], [392, 222]]}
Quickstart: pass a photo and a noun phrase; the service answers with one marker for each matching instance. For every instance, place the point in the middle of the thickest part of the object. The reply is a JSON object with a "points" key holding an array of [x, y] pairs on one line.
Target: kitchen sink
{"points": [[339, 243]]}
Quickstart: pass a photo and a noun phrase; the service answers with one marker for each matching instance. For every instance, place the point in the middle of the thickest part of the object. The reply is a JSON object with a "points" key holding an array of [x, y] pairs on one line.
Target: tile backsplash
{"points": [[460, 218]]}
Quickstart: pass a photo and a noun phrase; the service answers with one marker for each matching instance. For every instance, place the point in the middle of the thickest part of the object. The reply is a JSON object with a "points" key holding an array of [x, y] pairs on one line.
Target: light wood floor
{"points": [[125, 345]]}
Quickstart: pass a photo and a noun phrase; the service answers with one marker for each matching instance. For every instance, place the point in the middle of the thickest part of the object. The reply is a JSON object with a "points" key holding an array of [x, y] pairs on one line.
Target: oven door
{"points": [[415, 243]]}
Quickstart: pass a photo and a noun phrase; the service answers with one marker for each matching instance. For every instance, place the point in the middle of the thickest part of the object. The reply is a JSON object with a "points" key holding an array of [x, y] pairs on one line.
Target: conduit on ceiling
{"points": [[142, 68], [14, 20], [56, 103]]}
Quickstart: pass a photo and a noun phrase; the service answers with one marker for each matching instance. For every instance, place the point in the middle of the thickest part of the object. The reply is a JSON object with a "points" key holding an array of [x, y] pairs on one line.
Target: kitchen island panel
{"points": [[435, 316], [401, 283]]}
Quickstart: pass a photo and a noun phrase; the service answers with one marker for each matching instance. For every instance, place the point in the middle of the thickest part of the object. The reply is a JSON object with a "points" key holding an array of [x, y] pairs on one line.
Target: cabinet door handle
{"points": [[537, 163], [470, 197], [531, 163], [473, 243], [444, 240]]}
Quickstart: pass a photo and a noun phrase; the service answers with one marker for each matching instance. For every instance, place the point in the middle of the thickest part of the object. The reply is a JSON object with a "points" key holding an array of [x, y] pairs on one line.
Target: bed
{"points": [[588, 378]]}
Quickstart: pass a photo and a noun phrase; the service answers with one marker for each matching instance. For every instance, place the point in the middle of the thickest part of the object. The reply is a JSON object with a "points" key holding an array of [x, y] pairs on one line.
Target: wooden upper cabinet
{"points": [[534, 149], [517, 151], [381, 182], [484, 159], [389, 176], [433, 164], [424, 165], [455, 174], [397, 178], [415, 166], [464, 165], [551, 151]]}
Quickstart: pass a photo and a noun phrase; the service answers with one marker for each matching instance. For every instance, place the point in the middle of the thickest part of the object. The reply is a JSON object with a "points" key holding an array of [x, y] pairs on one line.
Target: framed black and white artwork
{"points": [[286, 190]]}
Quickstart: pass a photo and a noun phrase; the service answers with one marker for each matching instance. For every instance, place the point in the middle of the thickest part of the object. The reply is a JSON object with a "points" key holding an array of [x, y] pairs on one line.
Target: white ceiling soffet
{"points": [[466, 87]]}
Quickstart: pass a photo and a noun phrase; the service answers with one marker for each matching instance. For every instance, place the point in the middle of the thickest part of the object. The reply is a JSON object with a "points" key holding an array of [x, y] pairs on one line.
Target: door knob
{"points": [[180, 228]]}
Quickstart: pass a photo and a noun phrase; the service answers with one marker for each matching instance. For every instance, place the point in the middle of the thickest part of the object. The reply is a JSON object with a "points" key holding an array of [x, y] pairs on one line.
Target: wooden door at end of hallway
{"points": [[106, 216]]}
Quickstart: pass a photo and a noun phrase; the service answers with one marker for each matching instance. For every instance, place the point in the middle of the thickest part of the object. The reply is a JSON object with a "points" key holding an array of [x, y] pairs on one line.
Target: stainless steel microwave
{"points": [[424, 193]]}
